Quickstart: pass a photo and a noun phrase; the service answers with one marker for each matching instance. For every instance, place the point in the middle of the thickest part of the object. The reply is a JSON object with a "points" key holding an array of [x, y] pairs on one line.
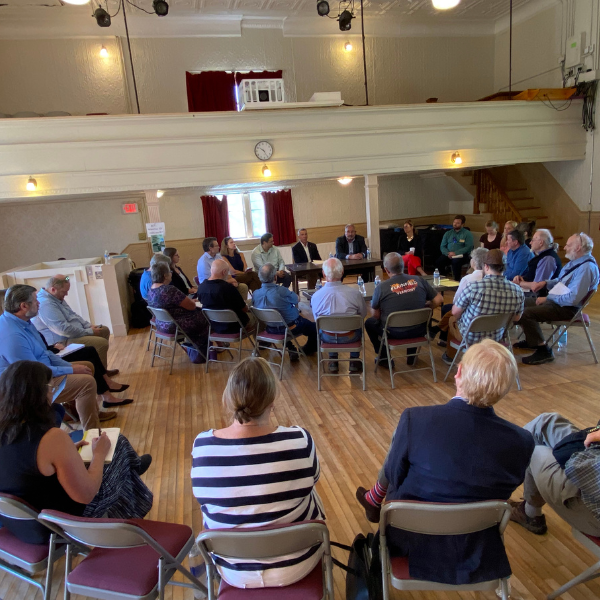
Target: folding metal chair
{"points": [[486, 324], [437, 519], [340, 324], [580, 319], [152, 330], [168, 340], [267, 543], [226, 317], [271, 317], [132, 559], [593, 545], [26, 560], [406, 318]]}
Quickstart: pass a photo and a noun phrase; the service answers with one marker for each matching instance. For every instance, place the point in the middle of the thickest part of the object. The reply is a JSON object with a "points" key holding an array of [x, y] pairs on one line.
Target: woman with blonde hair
{"points": [[491, 238], [239, 269], [508, 227], [253, 473]]}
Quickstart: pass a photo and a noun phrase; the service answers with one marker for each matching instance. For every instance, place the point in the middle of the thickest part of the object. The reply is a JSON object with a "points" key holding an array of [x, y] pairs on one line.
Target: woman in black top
{"points": [[39, 462], [491, 238], [412, 260], [180, 280], [239, 269]]}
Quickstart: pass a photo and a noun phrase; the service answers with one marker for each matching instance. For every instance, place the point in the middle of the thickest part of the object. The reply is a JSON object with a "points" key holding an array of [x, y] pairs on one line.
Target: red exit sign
{"points": [[130, 209]]}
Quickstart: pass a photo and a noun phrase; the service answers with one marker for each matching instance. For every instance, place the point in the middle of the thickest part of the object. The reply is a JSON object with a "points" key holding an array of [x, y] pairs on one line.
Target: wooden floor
{"points": [[351, 429]]}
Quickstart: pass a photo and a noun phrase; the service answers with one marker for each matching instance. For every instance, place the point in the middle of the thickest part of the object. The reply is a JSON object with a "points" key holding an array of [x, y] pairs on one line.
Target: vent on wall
{"points": [[260, 91]]}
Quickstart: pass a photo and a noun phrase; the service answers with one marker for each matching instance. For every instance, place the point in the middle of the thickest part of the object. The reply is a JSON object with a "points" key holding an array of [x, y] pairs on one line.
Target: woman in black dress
{"points": [[180, 280]]}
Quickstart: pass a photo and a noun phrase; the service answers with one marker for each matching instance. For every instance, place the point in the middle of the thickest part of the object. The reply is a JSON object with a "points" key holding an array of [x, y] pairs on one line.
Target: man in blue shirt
{"points": [[456, 248], [20, 340], [518, 255], [271, 295], [146, 279], [211, 253], [565, 297]]}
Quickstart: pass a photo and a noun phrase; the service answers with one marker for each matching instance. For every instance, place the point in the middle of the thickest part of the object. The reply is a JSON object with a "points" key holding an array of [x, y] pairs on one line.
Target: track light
{"points": [[103, 52], [160, 193], [323, 8], [445, 4], [102, 17], [161, 8], [345, 20], [456, 158], [266, 171], [347, 46], [31, 185], [345, 180]]}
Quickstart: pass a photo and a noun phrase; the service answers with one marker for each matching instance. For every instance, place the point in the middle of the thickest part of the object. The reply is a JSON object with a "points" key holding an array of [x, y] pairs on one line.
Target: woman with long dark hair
{"points": [[40, 464], [239, 268], [179, 278], [410, 247]]}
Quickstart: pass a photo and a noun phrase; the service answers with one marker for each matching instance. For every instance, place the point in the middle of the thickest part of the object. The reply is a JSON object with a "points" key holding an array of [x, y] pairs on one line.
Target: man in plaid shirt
{"points": [[491, 295], [571, 488]]}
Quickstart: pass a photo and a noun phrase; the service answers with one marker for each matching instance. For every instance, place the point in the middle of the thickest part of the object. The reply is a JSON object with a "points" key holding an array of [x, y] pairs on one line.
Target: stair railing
{"points": [[491, 193]]}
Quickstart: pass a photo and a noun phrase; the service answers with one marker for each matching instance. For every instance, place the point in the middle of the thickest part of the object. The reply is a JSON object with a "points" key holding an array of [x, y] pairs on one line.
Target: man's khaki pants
{"points": [[454, 335], [81, 391], [242, 288], [100, 342]]}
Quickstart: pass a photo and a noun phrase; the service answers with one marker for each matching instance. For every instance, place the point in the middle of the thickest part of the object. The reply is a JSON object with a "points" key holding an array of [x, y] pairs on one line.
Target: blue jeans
{"points": [[303, 327], [336, 338]]}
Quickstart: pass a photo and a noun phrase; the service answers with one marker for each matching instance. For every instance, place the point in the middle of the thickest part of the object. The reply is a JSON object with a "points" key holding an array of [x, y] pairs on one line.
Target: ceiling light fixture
{"points": [[345, 20], [102, 17], [266, 171], [161, 8], [456, 159], [323, 8], [347, 46], [103, 52], [160, 193], [76, 2], [445, 4], [31, 185], [345, 180]]}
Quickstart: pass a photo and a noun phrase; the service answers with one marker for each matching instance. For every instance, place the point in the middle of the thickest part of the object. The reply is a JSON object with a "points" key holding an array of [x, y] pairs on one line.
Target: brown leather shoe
{"points": [[112, 372], [107, 415], [372, 512], [536, 525]]}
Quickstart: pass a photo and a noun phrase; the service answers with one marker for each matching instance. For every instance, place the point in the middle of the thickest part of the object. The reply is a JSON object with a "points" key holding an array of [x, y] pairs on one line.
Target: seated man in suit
{"points": [[456, 247], [351, 246], [455, 453], [305, 251], [399, 292], [271, 295], [20, 340], [566, 295], [267, 253]]}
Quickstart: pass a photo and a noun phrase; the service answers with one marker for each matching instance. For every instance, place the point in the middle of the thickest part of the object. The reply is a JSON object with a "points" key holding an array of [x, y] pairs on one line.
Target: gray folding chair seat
{"points": [[406, 318], [437, 519], [270, 317], [260, 543]]}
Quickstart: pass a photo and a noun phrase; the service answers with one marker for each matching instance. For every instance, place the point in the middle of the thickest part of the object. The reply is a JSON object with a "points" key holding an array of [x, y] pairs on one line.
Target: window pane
{"points": [[237, 221], [257, 207]]}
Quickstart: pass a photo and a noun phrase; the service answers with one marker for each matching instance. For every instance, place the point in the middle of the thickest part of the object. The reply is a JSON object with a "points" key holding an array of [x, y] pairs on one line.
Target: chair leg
{"points": [[454, 360], [378, 357], [149, 338], [68, 558], [154, 351], [161, 578], [319, 361], [173, 353], [208, 347], [50, 567], [282, 356], [432, 362], [588, 574], [589, 339], [390, 360], [504, 589]]}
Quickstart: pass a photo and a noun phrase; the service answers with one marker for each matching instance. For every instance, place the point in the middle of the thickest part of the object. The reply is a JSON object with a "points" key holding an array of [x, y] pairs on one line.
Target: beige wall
{"points": [[68, 74]]}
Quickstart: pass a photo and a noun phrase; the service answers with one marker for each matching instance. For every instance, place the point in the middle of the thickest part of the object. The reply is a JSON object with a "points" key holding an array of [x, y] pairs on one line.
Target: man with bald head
{"points": [[60, 324], [350, 246], [217, 294]]}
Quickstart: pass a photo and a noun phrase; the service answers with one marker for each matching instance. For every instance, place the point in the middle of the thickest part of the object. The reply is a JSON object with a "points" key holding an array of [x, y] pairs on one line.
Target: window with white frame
{"points": [[246, 215]]}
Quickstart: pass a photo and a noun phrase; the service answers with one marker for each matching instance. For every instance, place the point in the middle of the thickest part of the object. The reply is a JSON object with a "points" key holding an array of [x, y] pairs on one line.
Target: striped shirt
{"points": [[253, 482]]}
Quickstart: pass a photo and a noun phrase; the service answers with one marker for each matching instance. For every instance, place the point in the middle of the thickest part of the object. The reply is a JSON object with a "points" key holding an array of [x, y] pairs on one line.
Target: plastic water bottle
{"points": [[562, 341], [318, 285], [368, 253], [361, 285], [377, 280], [106, 257], [436, 277], [331, 255]]}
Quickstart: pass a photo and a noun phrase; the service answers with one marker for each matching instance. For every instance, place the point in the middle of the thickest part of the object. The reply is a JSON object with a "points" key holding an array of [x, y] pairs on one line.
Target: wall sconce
{"points": [[456, 159], [103, 52], [31, 185], [345, 180], [266, 171], [347, 46], [159, 193]]}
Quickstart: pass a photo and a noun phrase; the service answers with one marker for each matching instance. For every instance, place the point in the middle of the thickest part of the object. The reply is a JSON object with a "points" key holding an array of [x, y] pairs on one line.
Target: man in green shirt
{"points": [[267, 252], [456, 248]]}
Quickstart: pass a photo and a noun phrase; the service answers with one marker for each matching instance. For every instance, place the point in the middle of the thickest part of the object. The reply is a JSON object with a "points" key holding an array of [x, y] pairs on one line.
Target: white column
{"points": [[152, 206], [372, 205]]}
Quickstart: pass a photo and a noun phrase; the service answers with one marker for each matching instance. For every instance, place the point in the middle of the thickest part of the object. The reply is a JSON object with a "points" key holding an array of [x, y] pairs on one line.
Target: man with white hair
{"points": [[60, 324], [335, 298], [146, 279], [546, 264], [566, 295], [399, 293]]}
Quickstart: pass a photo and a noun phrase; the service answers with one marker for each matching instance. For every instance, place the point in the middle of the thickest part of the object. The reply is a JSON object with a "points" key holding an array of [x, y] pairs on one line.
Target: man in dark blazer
{"points": [[305, 251], [351, 246], [454, 453]]}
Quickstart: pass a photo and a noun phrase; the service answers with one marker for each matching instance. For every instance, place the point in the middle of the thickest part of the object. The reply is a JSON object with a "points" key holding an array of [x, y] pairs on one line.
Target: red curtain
{"points": [[210, 91], [216, 217], [279, 215], [257, 75]]}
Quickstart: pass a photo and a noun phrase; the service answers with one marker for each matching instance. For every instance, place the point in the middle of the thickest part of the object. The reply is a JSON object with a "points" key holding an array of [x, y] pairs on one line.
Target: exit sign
{"points": [[130, 209]]}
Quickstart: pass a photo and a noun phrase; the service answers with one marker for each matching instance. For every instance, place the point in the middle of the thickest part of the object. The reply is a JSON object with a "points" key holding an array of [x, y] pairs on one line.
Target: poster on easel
{"points": [[156, 233]]}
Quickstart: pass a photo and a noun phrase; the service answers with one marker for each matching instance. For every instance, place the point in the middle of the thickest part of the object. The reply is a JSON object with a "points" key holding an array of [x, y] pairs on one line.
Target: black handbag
{"points": [[363, 571]]}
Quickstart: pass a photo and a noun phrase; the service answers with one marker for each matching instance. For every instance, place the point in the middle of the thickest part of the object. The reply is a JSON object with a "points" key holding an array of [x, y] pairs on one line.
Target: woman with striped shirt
{"points": [[252, 474]]}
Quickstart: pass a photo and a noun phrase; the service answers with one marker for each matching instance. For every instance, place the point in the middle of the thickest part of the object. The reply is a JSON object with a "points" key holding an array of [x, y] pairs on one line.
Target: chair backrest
{"points": [[220, 316], [490, 323], [196, 280], [339, 323], [263, 542], [160, 314], [268, 316], [432, 518], [587, 298], [408, 318], [15, 508]]}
